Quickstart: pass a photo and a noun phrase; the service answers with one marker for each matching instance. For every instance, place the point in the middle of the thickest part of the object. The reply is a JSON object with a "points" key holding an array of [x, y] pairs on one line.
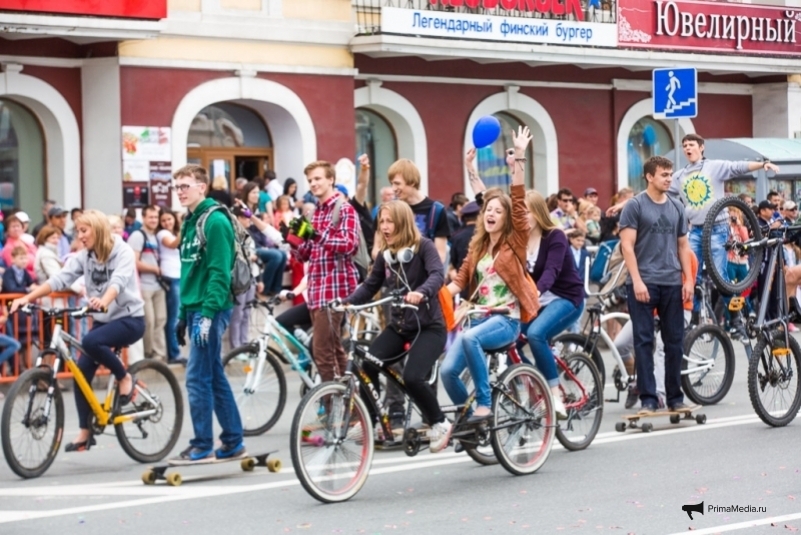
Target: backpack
{"points": [[362, 255], [433, 219], [600, 263], [241, 274]]}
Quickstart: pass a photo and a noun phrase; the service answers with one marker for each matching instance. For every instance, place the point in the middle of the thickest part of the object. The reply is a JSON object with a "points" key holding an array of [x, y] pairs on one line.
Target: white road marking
{"points": [[743, 525]]}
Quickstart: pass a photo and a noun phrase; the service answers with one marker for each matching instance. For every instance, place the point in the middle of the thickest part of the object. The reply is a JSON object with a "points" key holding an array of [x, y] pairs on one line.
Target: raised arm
{"points": [[516, 160], [363, 180], [476, 184]]}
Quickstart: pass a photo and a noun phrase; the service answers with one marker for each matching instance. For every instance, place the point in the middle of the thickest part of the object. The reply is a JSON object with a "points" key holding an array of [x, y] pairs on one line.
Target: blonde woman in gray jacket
{"points": [[109, 267]]}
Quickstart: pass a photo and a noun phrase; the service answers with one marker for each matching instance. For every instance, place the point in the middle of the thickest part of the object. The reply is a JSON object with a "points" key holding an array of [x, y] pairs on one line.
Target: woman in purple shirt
{"points": [[551, 265]]}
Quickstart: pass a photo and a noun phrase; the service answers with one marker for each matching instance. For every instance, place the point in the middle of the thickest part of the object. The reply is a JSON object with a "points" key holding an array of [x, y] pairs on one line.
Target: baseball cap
{"points": [[23, 217], [56, 211], [471, 208], [343, 190], [763, 205], [790, 205], [590, 191]]}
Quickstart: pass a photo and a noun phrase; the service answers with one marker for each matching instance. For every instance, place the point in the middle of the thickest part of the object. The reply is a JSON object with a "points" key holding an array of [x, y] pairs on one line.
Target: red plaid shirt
{"points": [[332, 273]]}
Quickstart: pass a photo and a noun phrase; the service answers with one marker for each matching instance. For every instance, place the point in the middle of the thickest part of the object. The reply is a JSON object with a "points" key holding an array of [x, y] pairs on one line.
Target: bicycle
{"points": [[333, 416], [34, 408], [774, 386]]}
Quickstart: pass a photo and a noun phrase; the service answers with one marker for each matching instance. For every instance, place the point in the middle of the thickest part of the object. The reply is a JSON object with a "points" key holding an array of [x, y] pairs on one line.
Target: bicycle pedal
{"points": [[736, 304], [780, 352]]}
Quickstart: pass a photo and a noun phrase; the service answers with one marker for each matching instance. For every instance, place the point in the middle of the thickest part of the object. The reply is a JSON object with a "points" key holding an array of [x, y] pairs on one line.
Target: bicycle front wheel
{"points": [[584, 400], [260, 398], [332, 457], [157, 413], [523, 420], [31, 437], [774, 380], [719, 216], [707, 367]]}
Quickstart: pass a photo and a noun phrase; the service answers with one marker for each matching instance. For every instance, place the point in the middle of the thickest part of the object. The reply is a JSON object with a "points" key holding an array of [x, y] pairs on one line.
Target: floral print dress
{"points": [[492, 291]]}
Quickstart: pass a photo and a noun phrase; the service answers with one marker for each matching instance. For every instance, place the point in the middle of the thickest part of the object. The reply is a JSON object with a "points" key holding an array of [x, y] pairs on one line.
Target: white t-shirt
{"points": [[275, 189], [170, 259], [27, 238]]}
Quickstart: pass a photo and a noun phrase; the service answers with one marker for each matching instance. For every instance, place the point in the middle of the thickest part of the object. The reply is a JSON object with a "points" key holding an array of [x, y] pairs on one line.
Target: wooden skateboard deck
{"points": [[631, 420], [174, 479]]}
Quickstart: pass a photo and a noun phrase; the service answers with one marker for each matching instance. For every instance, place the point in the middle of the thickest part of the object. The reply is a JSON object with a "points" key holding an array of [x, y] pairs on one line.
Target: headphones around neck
{"points": [[403, 256]]}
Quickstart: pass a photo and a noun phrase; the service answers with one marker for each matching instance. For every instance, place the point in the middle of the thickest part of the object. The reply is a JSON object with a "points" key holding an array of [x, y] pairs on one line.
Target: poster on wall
{"points": [[160, 177], [149, 143], [135, 194], [135, 170]]}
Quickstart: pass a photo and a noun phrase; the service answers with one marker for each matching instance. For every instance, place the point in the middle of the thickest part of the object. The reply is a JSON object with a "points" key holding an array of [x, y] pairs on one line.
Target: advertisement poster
{"points": [[148, 143], [135, 170], [135, 194], [160, 177]]}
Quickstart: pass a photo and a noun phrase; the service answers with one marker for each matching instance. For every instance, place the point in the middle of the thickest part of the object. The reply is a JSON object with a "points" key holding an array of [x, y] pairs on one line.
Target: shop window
{"points": [[491, 161], [376, 139], [22, 161], [736, 187], [228, 125], [647, 138]]}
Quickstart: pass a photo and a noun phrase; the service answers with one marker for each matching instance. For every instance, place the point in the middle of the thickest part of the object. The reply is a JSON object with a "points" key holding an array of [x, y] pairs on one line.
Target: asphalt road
{"points": [[623, 483]]}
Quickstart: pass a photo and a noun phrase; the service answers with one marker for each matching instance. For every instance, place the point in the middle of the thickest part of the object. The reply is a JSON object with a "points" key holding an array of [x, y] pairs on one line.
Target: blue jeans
{"points": [[494, 332], [551, 320], [208, 390], [274, 261], [11, 346], [173, 304], [666, 300], [720, 234]]}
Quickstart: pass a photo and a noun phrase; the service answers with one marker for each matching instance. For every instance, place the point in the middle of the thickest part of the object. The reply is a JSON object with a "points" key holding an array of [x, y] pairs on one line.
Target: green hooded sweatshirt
{"points": [[206, 275]]}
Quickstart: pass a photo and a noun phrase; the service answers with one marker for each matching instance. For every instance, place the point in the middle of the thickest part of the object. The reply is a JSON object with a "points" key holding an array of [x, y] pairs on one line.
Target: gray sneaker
{"points": [[632, 397]]}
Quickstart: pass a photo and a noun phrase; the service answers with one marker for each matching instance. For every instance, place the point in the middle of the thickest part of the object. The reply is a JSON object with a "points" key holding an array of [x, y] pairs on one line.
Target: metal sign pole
{"points": [[676, 143]]}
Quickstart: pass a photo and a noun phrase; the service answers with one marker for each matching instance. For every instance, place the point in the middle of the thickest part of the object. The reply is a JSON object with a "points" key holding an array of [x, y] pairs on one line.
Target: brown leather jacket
{"points": [[510, 262]]}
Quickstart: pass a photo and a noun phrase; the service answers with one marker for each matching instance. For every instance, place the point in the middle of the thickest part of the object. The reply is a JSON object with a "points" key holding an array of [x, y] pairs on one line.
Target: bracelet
{"points": [[521, 159]]}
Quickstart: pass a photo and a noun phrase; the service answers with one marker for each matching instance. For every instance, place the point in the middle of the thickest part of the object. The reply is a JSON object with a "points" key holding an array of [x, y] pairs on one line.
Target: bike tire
{"points": [[710, 387], [590, 411], [763, 372], [152, 438], [259, 410], [30, 389], [523, 420], [579, 343], [314, 441], [721, 280]]}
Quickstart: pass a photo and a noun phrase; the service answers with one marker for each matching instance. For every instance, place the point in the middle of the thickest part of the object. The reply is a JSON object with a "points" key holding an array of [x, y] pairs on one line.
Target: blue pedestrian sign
{"points": [[675, 93]]}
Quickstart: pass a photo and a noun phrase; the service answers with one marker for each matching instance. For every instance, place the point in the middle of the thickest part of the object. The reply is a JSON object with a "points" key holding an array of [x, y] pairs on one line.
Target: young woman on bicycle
{"points": [[494, 270], [109, 266], [408, 262], [550, 263]]}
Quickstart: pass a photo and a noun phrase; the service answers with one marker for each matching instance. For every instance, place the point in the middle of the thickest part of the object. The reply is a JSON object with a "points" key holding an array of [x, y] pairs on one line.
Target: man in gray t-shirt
{"points": [[653, 239]]}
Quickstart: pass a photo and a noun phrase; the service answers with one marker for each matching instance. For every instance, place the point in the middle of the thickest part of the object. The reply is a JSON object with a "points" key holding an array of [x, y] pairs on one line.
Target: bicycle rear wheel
{"points": [[568, 343], [31, 440], [330, 466], [584, 400], [719, 214], [148, 439], [705, 346], [774, 381], [523, 420], [261, 403]]}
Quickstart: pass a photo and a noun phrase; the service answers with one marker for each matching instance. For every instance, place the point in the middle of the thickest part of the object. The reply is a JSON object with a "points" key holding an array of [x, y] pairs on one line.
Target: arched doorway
{"points": [[648, 137], [376, 138], [22, 158], [230, 140], [491, 161]]}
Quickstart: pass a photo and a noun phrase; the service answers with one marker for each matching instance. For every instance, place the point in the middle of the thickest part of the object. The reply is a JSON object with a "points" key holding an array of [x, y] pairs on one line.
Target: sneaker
{"points": [[559, 408], [681, 407], [648, 407], [632, 397], [439, 436], [231, 451], [192, 455]]}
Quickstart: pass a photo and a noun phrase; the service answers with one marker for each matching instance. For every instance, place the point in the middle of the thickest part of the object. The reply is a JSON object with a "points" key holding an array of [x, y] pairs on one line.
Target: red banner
{"points": [[134, 9], [712, 26]]}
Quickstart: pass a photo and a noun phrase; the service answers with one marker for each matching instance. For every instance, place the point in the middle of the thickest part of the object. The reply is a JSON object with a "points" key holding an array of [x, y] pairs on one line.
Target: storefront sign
{"points": [[134, 9], [160, 178], [551, 7], [713, 26], [150, 143], [135, 194], [496, 28]]}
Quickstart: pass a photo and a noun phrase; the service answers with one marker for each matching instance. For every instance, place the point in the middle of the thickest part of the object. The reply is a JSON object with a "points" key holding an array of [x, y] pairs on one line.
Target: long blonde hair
{"points": [[101, 228], [406, 232], [481, 239], [539, 210]]}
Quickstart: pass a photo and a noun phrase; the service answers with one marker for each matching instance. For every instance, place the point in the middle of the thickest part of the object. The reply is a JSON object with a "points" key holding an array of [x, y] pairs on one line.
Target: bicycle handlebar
{"points": [[394, 300], [75, 312]]}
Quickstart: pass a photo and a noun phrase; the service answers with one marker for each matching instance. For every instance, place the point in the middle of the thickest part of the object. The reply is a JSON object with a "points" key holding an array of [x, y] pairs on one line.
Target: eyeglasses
{"points": [[183, 188]]}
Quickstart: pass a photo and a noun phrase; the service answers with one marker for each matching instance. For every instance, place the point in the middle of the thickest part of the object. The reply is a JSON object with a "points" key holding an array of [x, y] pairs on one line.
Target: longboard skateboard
{"points": [[174, 479], [631, 420]]}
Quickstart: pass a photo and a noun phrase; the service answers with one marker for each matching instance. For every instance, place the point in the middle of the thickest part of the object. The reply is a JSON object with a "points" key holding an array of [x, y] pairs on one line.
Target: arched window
{"points": [[491, 161], [376, 139], [228, 125], [22, 161], [647, 138]]}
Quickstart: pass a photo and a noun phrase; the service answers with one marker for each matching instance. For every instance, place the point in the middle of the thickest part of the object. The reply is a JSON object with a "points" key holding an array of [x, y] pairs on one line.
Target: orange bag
{"points": [[446, 303]]}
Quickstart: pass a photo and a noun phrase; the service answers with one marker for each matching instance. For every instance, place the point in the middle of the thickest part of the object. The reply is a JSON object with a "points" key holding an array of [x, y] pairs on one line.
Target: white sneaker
{"points": [[440, 435], [559, 408]]}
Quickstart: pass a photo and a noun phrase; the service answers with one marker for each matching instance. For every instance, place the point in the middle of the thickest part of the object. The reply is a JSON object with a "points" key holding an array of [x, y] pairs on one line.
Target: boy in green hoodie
{"points": [[206, 309]]}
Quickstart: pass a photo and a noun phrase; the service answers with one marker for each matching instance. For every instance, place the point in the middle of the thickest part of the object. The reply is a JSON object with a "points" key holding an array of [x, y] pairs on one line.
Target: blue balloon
{"points": [[486, 131], [649, 135]]}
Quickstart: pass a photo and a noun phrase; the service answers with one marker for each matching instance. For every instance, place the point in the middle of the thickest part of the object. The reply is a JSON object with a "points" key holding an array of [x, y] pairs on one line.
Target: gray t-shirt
{"points": [[658, 227], [701, 184], [150, 255]]}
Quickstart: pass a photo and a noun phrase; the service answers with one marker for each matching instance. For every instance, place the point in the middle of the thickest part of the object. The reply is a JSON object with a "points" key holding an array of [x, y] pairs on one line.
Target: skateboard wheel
{"points": [[700, 418], [274, 465], [674, 418], [620, 427], [647, 427], [174, 479], [149, 477], [248, 464]]}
